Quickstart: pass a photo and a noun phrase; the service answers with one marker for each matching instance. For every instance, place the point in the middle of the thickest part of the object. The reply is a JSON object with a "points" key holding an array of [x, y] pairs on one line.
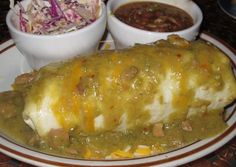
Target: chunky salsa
{"points": [[154, 16]]}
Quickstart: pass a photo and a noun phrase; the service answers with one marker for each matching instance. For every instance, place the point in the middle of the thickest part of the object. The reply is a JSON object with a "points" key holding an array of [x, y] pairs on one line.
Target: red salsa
{"points": [[154, 16]]}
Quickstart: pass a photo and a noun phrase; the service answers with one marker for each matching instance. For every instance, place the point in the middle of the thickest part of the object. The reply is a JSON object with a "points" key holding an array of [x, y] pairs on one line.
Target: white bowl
{"points": [[125, 35], [40, 50]]}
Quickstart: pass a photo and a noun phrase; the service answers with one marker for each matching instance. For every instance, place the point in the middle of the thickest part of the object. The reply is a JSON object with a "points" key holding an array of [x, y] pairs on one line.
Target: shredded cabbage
{"points": [[11, 4], [57, 16]]}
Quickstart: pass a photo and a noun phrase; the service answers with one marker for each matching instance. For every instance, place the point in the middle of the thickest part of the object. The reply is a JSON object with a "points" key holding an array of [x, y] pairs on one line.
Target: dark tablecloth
{"points": [[215, 22]]}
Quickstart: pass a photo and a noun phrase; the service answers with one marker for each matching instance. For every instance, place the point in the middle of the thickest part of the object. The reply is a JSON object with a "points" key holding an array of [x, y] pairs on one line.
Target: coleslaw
{"points": [[46, 17]]}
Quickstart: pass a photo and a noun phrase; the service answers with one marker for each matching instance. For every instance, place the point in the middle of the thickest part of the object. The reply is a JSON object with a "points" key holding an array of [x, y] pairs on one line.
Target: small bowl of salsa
{"points": [[145, 21]]}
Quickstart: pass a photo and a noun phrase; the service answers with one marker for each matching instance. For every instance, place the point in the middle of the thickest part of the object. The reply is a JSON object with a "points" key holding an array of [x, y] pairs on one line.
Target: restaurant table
{"points": [[216, 23]]}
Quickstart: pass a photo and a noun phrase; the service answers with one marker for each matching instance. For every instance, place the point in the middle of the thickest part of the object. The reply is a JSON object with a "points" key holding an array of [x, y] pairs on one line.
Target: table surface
{"points": [[215, 22]]}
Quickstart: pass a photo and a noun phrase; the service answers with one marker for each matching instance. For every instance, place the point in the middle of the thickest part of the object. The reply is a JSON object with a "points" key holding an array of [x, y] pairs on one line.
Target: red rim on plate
{"points": [[176, 157]]}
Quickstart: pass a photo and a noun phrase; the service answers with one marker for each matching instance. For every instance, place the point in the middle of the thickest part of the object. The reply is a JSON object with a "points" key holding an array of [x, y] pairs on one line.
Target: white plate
{"points": [[12, 63]]}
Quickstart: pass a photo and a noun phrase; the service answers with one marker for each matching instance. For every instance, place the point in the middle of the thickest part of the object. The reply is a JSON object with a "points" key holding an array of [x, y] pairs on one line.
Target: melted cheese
{"points": [[127, 89]]}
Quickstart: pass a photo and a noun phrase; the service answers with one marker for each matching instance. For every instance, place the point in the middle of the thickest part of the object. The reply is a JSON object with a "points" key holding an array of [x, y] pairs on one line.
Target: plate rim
{"points": [[215, 142]]}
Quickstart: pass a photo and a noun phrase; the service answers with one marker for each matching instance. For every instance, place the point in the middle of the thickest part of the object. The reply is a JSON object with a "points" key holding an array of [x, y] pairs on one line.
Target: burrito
{"points": [[122, 90]]}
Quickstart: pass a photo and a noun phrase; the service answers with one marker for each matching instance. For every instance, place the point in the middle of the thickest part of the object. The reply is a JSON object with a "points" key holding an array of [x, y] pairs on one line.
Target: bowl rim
{"points": [[112, 17], [94, 24]]}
